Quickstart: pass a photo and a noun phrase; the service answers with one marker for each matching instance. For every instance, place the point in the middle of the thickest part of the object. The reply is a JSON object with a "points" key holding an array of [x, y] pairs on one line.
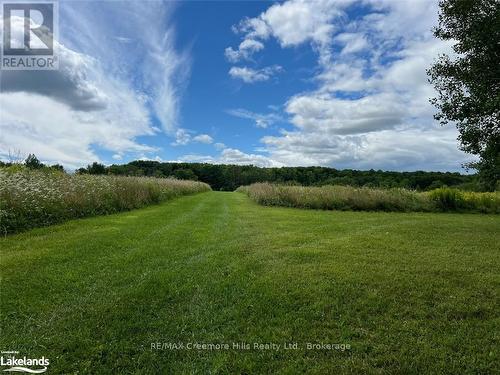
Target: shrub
{"points": [[448, 199], [33, 198], [483, 202]]}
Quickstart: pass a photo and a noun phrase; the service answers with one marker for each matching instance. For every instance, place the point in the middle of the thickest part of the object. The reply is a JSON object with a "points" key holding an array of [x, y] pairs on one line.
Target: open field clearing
{"points": [[410, 293]]}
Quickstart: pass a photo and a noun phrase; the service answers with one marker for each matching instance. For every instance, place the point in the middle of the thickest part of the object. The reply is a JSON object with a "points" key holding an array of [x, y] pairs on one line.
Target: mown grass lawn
{"points": [[411, 293]]}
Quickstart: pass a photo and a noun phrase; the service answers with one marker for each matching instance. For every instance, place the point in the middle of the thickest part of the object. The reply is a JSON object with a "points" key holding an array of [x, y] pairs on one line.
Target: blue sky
{"points": [[333, 83]]}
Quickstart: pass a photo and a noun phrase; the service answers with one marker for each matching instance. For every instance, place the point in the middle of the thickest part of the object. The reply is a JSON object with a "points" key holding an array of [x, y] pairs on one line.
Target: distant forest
{"points": [[230, 177]]}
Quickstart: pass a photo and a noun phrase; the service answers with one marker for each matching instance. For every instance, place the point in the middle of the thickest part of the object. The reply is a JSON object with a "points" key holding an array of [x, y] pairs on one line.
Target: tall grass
{"points": [[33, 198], [368, 199]]}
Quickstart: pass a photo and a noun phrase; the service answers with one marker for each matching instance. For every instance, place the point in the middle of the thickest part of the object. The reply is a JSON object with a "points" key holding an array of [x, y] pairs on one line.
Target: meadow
{"points": [[37, 197], [373, 292], [370, 199]]}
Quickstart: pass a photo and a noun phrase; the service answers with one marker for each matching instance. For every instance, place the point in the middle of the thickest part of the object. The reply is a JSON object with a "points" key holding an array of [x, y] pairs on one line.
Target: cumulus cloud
{"points": [[386, 149], [58, 134], [292, 23], [184, 137], [295, 22], [246, 48], [73, 83], [370, 107], [203, 138], [345, 116], [249, 75], [233, 156]]}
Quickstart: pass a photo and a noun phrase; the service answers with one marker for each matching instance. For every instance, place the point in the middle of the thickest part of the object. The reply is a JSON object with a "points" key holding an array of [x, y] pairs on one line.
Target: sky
{"points": [[338, 83]]}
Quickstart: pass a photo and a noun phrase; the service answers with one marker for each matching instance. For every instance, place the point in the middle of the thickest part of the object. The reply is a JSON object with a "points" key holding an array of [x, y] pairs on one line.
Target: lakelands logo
{"points": [[23, 364], [29, 31]]}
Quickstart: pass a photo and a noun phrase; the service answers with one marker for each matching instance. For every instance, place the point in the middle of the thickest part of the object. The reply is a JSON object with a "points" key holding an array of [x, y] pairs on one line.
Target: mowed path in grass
{"points": [[410, 293]]}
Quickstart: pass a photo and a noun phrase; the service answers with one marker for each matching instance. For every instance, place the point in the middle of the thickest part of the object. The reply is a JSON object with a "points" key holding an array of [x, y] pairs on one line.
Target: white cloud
{"points": [[104, 93], [295, 22], [244, 51], [315, 112], [235, 156], [413, 149], [255, 28], [156, 158], [32, 123], [352, 42], [261, 120], [203, 138], [74, 83], [232, 156], [251, 45], [150, 59], [219, 146], [370, 108], [249, 75], [182, 137], [292, 23]]}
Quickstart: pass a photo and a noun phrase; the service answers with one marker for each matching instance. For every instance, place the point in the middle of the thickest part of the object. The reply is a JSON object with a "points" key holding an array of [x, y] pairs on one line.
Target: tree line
{"points": [[32, 162], [229, 177]]}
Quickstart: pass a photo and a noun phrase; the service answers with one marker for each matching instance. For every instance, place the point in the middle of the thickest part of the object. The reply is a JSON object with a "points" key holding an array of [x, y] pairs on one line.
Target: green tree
{"points": [[32, 162], [468, 84], [185, 174], [57, 167], [81, 171], [95, 168]]}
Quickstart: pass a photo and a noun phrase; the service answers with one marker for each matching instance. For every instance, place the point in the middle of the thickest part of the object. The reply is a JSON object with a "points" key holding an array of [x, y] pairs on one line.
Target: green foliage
{"points": [[94, 168], [32, 162], [448, 199], [229, 177], [32, 198], [57, 167], [468, 85], [368, 199], [185, 174], [411, 293]]}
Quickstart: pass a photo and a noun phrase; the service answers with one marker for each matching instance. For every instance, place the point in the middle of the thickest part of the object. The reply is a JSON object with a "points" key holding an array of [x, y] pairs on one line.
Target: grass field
{"points": [[411, 293]]}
